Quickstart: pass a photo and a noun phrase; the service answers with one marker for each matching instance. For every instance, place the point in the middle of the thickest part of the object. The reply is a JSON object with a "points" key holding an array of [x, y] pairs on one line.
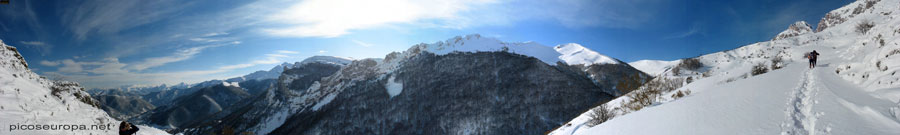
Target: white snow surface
{"points": [[854, 89], [231, 84], [653, 67], [573, 53], [26, 99], [569, 53], [394, 88], [326, 59], [324, 101]]}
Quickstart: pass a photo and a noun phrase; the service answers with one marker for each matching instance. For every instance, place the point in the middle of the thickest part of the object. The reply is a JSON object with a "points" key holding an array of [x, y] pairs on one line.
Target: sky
{"points": [[104, 44]]}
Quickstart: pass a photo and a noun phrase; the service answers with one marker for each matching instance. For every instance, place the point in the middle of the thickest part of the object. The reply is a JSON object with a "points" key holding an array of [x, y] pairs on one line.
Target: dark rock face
{"points": [[458, 93], [246, 116]]}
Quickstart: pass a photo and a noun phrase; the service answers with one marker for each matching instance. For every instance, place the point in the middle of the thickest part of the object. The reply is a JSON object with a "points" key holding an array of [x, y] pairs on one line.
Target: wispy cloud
{"points": [[332, 18], [272, 58], [215, 34], [109, 17], [180, 55], [288, 52], [322, 51], [50, 63], [693, 30], [33, 43], [363, 44], [277, 55], [204, 40], [44, 47], [109, 72]]}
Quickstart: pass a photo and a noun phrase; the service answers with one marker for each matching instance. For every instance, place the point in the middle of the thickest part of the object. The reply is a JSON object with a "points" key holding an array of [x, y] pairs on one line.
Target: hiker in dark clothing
{"points": [[126, 128], [812, 58]]}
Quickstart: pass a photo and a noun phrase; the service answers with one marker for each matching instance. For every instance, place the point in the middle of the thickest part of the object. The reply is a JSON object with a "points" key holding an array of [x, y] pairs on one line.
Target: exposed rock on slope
{"points": [[795, 29]]}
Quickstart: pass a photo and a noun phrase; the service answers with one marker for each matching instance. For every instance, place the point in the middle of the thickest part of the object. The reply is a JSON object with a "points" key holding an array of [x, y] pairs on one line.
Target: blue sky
{"points": [[125, 42]]}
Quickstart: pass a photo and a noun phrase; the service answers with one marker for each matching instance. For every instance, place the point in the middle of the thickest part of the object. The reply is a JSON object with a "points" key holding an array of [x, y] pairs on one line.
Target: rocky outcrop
{"points": [[841, 15], [795, 29]]}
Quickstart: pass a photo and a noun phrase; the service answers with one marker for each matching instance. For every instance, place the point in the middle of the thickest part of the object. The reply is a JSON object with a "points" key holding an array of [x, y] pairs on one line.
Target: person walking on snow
{"points": [[812, 58]]}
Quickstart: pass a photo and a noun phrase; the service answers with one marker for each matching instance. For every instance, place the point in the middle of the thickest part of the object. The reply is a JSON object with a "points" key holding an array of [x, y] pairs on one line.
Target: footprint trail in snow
{"points": [[800, 117]]}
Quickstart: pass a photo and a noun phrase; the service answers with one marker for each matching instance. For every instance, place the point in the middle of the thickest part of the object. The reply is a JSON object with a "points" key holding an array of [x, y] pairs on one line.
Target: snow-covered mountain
{"points": [[769, 88], [122, 105], [268, 110], [28, 100], [195, 107], [334, 60], [570, 53], [405, 91]]}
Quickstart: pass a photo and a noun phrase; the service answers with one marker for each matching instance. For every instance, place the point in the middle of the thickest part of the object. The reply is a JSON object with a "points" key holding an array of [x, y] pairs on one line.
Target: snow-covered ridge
{"points": [[29, 99], [327, 60], [569, 53]]}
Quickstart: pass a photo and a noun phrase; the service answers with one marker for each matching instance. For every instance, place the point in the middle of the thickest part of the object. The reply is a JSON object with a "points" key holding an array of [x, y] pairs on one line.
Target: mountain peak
{"points": [[800, 27]]}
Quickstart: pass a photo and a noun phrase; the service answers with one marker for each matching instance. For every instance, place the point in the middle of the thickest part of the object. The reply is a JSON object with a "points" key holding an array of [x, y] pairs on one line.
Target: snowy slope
{"points": [[853, 90], [29, 99], [653, 67], [570, 53], [573, 53]]}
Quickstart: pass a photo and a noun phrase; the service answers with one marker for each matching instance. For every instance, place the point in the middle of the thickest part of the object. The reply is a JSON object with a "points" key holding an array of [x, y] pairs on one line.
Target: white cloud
{"points": [[50, 63], [180, 55], [272, 58], [693, 30], [34, 43], [215, 34], [204, 40], [288, 52], [277, 55], [43, 47], [363, 44], [70, 66], [322, 51], [109, 17], [109, 66], [331, 18], [236, 66]]}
